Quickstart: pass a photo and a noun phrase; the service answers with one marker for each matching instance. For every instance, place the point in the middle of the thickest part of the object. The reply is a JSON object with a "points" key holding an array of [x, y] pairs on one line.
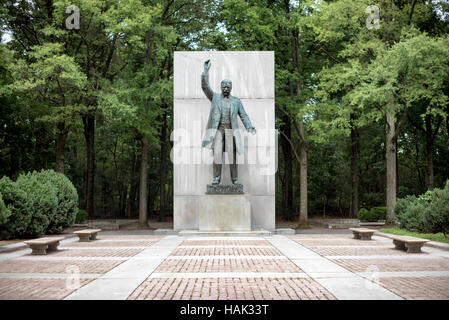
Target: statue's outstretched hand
{"points": [[253, 130], [207, 66]]}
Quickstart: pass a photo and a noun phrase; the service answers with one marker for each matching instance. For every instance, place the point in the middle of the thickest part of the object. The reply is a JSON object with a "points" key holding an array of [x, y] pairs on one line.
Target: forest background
{"points": [[361, 101]]}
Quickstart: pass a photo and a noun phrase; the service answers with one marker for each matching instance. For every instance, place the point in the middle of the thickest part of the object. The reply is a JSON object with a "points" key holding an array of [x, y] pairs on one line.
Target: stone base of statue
{"points": [[224, 212]]}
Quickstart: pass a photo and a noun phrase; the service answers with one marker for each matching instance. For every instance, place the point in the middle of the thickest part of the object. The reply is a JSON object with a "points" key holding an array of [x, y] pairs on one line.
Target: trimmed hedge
{"points": [[37, 203], [4, 212], [437, 218], [20, 209], [67, 204], [44, 203], [428, 213], [372, 215], [81, 216]]}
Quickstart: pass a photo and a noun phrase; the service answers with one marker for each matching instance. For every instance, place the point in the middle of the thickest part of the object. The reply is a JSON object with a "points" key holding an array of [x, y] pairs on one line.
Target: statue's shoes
{"points": [[215, 182], [236, 182]]}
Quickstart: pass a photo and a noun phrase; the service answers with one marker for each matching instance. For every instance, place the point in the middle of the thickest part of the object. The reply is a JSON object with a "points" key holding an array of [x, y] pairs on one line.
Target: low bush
{"points": [[372, 215], [379, 213], [4, 212], [67, 204], [81, 216], [364, 215], [44, 202], [20, 209], [426, 213], [437, 217]]}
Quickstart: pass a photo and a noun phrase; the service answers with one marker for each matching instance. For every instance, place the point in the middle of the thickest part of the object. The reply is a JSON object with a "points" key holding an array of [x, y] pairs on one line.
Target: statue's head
{"points": [[226, 87]]}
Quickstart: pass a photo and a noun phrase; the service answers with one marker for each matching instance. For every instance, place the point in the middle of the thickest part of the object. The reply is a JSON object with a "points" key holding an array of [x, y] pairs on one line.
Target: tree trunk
{"points": [[89, 135], [303, 180], [287, 212], [163, 173], [143, 218], [354, 169], [131, 207], [391, 164], [429, 153], [61, 139]]}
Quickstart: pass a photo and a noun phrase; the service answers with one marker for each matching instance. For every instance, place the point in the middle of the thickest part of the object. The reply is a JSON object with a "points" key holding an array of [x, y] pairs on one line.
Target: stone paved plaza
{"points": [[299, 267]]}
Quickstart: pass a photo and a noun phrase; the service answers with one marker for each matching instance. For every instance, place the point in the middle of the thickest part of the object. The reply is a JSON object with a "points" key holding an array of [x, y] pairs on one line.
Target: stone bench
{"points": [[87, 234], [40, 246], [411, 244], [362, 233]]}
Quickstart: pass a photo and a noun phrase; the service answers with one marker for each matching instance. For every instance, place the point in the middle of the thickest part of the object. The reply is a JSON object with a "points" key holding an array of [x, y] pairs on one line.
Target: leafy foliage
{"points": [[4, 212], [67, 205], [331, 72], [20, 209], [427, 213], [81, 216], [43, 203], [372, 215]]}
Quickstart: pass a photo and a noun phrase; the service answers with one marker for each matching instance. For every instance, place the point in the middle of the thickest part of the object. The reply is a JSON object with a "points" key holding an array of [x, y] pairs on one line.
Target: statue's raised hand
{"points": [[206, 66]]}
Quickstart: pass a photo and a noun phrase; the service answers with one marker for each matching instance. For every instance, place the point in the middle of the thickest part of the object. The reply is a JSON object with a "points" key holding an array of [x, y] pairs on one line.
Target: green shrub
{"points": [[43, 201], [19, 206], [4, 212], [67, 196], [81, 216], [429, 213], [400, 210], [415, 215], [437, 217], [379, 213], [372, 215], [364, 215], [411, 213]]}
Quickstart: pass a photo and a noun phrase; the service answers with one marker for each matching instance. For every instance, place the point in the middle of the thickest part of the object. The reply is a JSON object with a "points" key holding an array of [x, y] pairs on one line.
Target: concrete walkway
{"points": [[121, 281], [343, 284]]}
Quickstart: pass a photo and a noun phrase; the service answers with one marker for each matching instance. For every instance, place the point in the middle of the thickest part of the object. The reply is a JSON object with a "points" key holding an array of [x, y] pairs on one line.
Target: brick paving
{"points": [[230, 288], [392, 265], [24, 266], [357, 251], [227, 265], [419, 288], [226, 268], [321, 236], [128, 237], [342, 242], [226, 252], [20, 276], [110, 243], [95, 252], [37, 289], [225, 243]]}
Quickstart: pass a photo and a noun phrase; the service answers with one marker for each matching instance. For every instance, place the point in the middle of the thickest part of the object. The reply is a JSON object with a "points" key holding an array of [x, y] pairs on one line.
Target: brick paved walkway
{"points": [[297, 267]]}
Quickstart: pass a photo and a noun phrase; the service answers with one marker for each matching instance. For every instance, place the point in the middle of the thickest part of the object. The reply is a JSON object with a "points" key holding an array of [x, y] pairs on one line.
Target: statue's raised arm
{"points": [[205, 81]]}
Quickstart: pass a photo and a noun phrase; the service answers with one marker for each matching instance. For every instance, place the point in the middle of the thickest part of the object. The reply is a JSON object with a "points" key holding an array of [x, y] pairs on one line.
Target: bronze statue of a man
{"points": [[222, 120]]}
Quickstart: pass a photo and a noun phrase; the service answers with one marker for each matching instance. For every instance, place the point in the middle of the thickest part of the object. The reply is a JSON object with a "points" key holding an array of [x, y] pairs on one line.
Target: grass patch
{"points": [[430, 236]]}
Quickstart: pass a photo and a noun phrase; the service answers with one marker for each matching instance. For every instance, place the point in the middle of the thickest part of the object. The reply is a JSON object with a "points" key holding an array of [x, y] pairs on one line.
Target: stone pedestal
{"points": [[224, 213]]}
